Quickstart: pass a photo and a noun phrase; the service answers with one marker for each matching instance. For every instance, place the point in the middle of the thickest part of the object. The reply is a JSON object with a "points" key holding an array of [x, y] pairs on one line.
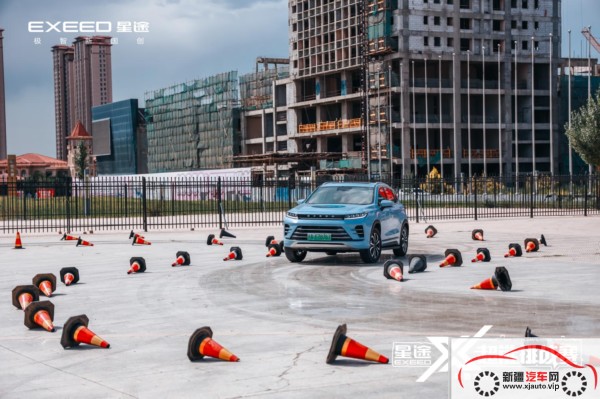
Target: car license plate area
{"points": [[318, 237]]}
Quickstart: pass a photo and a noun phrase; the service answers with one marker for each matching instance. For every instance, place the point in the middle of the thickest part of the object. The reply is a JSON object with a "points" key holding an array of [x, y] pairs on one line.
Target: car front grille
{"points": [[337, 233], [322, 217], [286, 229]]}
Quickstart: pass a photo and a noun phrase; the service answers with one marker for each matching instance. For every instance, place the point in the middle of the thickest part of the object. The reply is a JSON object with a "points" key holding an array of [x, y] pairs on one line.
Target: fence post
{"points": [[144, 205], [219, 203], [68, 188], [416, 191], [474, 188], [585, 196], [531, 199]]}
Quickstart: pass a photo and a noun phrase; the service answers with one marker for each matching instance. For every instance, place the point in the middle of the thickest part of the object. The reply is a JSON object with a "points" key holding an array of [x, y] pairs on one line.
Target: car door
{"points": [[389, 228]]}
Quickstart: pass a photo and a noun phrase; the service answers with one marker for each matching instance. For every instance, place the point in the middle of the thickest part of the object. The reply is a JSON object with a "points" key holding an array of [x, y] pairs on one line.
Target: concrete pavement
{"points": [[279, 317]]}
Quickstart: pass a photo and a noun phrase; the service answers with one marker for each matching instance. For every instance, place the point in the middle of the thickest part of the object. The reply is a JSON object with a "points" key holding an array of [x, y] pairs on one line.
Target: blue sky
{"points": [[187, 39]]}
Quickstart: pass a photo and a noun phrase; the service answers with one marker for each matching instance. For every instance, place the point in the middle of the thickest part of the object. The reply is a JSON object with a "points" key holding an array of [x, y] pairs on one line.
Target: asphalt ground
{"points": [[279, 317]]}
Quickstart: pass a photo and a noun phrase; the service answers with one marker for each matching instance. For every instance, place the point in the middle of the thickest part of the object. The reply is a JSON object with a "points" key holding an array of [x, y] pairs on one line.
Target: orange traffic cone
{"points": [[40, 314], [201, 344], [75, 332], [83, 243], [453, 258], [69, 275], [483, 255], [532, 245], [499, 279], [46, 282], [132, 234], [136, 265], [212, 240], [477, 235], [141, 241], [234, 253], [18, 243], [183, 258], [341, 345], [274, 250], [514, 249], [393, 269], [430, 231], [24, 295], [67, 237], [528, 333]]}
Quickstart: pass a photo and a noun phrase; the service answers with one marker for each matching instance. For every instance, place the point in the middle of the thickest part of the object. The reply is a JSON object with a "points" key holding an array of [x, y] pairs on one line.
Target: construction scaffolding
{"points": [[193, 125], [256, 89]]}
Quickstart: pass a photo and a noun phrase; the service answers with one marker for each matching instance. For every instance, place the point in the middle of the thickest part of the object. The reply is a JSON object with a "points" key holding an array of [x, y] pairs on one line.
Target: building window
{"points": [[450, 21], [536, 25], [450, 42], [425, 20], [465, 4], [437, 41], [536, 4], [524, 4], [450, 2], [513, 24], [513, 4], [465, 23], [498, 25], [537, 45], [524, 25], [436, 1], [425, 41], [524, 45], [465, 44], [436, 20], [512, 45]]}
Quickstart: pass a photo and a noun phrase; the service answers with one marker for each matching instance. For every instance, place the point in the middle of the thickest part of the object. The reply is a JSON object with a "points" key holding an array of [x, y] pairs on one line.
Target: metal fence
{"points": [[140, 203]]}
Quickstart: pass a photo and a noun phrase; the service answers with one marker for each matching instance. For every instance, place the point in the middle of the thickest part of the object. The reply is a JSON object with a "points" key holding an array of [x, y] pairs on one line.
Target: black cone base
{"points": [[195, 340]]}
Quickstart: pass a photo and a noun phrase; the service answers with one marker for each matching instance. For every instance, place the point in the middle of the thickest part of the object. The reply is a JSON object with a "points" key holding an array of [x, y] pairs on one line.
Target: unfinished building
{"points": [[402, 86]]}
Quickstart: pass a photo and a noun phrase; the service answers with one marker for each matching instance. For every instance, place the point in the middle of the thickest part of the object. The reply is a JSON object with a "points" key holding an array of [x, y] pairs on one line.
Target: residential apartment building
{"points": [[2, 101], [82, 80]]}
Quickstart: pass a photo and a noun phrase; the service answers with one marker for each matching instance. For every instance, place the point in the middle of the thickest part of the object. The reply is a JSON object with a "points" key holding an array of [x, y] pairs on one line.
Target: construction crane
{"points": [[587, 33]]}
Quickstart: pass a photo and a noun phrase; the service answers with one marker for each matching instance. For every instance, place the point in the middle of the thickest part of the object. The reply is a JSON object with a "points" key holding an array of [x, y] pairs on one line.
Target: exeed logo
{"points": [[70, 26]]}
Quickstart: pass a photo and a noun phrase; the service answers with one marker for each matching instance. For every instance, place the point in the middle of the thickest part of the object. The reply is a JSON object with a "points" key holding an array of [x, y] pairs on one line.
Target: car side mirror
{"points": [[300, 201], [386, 204]]}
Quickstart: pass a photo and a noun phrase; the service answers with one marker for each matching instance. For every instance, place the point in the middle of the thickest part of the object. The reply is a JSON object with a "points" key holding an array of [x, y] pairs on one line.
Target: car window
{"points": [[341, 195]]}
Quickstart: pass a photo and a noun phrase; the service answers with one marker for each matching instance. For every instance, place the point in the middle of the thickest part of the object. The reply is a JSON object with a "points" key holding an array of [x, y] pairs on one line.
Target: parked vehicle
{"points": [[347, 217]]}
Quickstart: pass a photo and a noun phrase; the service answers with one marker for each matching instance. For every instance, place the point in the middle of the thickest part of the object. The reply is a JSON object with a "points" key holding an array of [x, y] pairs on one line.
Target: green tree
{"points": [[81, 160], [584, 134]]}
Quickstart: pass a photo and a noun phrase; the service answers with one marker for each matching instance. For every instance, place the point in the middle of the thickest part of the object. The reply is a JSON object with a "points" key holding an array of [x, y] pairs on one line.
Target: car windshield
{"points": [[347, 195]]}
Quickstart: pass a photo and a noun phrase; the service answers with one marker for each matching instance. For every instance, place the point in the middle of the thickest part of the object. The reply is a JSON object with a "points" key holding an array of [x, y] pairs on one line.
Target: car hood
{"points": [[328, 209]]}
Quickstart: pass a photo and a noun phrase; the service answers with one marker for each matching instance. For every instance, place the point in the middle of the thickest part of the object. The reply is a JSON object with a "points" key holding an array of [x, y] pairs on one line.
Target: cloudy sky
{"points": [[187, 39]]}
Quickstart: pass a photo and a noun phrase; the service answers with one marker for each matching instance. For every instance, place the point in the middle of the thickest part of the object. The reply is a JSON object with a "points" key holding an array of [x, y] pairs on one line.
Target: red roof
{"points": [[79, 133], [36, 161]]}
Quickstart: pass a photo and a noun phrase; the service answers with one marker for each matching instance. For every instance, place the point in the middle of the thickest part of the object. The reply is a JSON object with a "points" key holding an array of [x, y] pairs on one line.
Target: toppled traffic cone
{"points": [[183, 258], [234, 253], [532, 245], [225, 233], [393, 269], [212, 240], [543, 241], [201, 344], [136, 265], [514, 249], [68, 237], [453, 258], [69, 275], [430, 231], [483, 255], [477, 235], [46, 282], [40, 314], [341, 345], [133, 234], [528, 333], [140, 241], [270, 240], [24, 295], [83, 243], [18, 243], [75, 332], [274, 250], [499, 279], [416, 263]]}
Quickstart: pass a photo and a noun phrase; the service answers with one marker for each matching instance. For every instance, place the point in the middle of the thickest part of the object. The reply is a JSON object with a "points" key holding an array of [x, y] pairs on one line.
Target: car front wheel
{"points": [[372, 254], [403, 248], [295, 255]]}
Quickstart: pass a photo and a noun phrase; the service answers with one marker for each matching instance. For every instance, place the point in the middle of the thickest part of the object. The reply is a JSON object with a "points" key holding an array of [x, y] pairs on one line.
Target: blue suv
{"points": [[347, 217]]}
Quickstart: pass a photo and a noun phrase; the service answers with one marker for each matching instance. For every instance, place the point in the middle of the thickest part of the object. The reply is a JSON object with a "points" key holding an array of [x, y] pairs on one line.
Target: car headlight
{"points": [[292, 215], [356, 215]]}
